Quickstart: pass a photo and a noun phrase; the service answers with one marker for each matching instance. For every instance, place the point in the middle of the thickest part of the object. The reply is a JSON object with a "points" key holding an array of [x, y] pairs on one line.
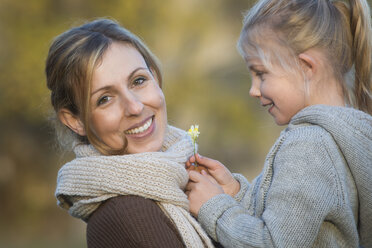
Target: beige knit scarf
{"points": [[85, 182]]}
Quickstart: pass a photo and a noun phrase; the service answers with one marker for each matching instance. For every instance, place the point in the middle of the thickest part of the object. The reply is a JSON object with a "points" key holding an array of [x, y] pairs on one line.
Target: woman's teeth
{"points": [[140, 129]]}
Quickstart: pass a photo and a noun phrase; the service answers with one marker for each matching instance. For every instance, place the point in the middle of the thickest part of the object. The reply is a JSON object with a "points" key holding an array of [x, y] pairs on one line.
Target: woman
{"points": [[128, 177]]}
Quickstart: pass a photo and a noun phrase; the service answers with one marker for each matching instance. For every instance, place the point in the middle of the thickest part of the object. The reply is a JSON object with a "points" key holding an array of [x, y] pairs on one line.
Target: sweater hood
{"points": [[351, 129]]}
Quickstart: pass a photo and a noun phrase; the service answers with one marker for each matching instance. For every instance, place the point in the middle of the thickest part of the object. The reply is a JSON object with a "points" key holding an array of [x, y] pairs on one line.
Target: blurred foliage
{"points": [[205, 82]]}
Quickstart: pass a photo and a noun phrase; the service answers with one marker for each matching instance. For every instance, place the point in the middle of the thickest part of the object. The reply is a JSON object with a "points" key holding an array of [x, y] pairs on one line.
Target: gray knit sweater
{"points": [[315, 189]]}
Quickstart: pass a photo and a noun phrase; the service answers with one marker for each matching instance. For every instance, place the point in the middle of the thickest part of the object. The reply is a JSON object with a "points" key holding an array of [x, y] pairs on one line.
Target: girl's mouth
{"points": [[271, 106]]}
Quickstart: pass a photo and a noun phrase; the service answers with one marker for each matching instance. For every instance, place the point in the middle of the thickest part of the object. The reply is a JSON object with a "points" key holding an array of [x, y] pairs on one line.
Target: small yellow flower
{"points": [[194, 134]]}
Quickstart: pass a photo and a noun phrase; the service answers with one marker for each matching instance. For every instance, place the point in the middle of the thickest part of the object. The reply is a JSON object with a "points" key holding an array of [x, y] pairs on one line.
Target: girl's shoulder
{"points": [[308, 149], [312, 145], [306, 135], [348, 128]]}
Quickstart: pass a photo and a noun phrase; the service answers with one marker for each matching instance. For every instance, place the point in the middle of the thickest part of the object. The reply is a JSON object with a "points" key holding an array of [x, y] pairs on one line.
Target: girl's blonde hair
{"points": [[341, 30], [71, 61]]}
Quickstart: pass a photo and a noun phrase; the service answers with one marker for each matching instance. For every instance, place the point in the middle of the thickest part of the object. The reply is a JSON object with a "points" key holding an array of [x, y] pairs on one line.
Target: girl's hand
{"points": [[218, 171], [200, 189]]}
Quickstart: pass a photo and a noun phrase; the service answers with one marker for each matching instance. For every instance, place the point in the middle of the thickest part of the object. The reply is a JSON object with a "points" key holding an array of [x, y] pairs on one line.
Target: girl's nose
{"points": [[133, 105], [255, 89]]}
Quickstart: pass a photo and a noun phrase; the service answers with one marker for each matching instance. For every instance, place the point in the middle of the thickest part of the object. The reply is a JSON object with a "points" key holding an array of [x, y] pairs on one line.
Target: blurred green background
{"points": [[205, 83]]}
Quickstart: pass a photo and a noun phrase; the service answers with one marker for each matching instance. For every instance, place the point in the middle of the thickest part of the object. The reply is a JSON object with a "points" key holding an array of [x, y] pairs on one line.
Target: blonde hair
{"points": [[71, 61], [342, 32]]}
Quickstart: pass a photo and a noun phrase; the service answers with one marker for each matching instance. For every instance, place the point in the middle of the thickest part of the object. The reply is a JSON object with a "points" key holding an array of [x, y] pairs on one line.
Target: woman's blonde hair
{"points": [[341, 30], [71, 61]]}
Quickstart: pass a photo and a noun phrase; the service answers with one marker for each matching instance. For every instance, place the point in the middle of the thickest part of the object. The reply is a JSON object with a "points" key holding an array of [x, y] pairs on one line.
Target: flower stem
{"points": [[196, 163]]}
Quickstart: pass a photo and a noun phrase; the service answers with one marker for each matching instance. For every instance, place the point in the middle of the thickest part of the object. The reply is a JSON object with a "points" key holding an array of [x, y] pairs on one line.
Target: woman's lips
{"points": [[142, 130]]}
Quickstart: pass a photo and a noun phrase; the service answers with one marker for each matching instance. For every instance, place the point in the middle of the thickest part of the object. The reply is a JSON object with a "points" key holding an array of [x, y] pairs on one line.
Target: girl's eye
{"points": [[103, 100], [260, 74], [139, 81]]}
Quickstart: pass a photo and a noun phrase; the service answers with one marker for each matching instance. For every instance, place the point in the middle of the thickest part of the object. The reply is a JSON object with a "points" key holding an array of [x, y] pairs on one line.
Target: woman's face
{"points": [[127, 102]]}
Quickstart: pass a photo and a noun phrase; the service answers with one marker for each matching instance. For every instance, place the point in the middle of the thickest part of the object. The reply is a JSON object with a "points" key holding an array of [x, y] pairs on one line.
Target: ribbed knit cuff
{"points": [[244, 185], [212, 210]]}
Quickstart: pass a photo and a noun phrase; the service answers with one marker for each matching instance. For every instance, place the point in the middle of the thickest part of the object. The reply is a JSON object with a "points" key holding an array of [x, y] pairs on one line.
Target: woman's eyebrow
{"points": [[135, 70], [107, 87]]}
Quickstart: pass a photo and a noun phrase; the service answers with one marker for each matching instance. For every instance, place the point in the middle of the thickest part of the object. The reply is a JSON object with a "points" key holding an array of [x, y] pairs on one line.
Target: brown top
{"points": [[131, 221]]}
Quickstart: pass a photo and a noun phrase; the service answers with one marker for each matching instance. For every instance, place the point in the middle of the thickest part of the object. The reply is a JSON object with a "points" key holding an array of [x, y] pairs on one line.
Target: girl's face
{"points": [[281, 92], [127, 102]]}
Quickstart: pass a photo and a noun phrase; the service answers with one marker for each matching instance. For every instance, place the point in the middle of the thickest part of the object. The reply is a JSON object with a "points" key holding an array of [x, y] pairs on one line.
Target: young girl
{"points": [[106, 92], [310, 62]]}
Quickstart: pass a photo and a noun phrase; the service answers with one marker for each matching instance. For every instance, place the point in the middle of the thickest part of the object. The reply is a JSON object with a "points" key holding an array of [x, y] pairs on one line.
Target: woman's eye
{"points": [[139, 81], [103, 100]]}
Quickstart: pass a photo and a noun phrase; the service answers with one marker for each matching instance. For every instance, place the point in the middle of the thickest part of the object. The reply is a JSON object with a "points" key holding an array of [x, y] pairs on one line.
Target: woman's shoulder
{"points": [[128, 203], [131, 220], [123, 210]]}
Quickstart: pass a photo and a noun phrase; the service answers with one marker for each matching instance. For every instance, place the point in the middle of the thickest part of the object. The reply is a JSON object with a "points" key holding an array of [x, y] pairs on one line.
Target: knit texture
{"points": [[315, 189], [85, 182]]}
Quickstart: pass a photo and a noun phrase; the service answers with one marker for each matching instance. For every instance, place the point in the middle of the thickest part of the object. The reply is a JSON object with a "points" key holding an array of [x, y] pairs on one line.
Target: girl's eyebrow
{"points": [[253, 68]]}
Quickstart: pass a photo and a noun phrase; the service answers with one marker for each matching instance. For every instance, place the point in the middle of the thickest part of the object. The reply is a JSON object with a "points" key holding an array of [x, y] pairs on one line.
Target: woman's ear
{"points": [[308, 64], [71, 121]]}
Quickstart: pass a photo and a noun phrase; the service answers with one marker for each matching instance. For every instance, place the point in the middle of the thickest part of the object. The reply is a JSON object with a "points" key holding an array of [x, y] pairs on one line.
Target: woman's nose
{"points": [[255, 89], [132, 105]]}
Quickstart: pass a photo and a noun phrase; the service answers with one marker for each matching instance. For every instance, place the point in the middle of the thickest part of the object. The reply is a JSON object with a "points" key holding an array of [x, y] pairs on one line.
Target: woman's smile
{"points": [[141, 130]]}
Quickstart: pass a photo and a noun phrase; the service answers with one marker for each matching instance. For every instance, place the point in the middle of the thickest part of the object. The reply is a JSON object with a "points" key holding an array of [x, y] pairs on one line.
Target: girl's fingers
{"points": [[211, 178], [195, 176], [192, 159], [207, 162], [188, 164]]}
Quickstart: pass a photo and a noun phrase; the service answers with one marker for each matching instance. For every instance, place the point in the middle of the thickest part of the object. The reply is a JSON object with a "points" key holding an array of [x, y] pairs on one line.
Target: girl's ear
{"points": [[72, 121], [308, 64]]}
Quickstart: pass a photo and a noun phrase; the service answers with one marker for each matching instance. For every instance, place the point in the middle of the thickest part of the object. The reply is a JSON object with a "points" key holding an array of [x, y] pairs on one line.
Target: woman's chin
{"points": [[144, 148]]}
